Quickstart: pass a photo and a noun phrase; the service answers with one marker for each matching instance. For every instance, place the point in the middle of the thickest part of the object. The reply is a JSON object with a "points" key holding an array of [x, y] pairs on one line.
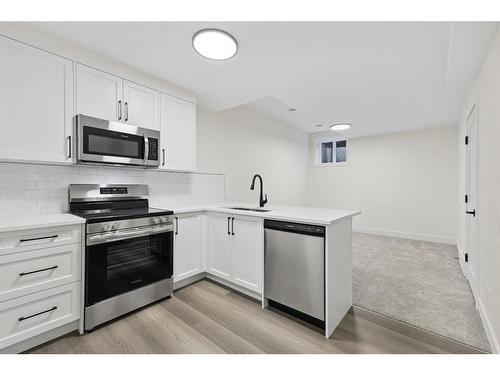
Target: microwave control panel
{"points": [[153, 149]]}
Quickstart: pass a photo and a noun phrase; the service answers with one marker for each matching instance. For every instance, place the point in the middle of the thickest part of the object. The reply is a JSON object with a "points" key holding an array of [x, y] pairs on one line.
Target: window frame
{"points": [[334, 163]]}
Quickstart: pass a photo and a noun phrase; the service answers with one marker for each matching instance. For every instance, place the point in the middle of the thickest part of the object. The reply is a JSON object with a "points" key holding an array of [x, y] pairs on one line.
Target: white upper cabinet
{"points": [[98, 94], [188, 246], [178, 134], [106, 96], [140, 105], [36, 104]]}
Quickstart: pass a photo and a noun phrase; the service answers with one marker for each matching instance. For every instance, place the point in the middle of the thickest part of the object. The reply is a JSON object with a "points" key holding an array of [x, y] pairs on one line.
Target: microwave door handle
{"points": [[146, 149]]}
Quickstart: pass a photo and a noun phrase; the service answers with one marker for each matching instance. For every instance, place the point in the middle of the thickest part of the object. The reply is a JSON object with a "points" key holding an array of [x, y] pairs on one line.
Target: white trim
{"points": [[488, 329], [407, 235]]}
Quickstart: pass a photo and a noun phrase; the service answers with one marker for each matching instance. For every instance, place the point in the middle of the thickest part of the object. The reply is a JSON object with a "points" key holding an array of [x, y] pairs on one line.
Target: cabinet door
{"points": [[98, 94], [219, 255], [141, 105], [178, 134], [188, 246], [246, 252], [36, 104]]}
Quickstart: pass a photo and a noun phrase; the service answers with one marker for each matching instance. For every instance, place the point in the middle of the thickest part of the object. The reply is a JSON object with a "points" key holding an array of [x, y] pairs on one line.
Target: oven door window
{"points": [[98, 141], [117, 267]]}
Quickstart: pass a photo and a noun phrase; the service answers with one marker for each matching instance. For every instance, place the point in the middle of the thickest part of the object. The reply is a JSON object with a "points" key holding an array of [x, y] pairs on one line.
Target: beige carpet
{"points": [[417, 282]]}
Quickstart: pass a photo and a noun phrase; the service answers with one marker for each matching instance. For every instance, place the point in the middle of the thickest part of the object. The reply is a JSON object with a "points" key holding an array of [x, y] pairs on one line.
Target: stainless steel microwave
{"points": [[103, 141]]}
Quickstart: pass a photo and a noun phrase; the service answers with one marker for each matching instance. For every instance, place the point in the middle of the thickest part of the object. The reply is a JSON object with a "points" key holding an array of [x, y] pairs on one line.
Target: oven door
{"points": [[121, 262], [102, 141]]}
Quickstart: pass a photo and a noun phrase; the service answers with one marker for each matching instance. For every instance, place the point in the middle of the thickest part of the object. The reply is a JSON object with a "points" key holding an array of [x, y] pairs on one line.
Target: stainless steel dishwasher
{"points": [[294, 269]]}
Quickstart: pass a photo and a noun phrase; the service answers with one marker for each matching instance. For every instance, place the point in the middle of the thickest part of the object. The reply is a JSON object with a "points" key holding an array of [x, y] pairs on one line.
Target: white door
{"points": [[188, 246], [140, 105], [36, 104], [178, 134], [98, 94], [247, 252], [472, 200], [219, 254]]}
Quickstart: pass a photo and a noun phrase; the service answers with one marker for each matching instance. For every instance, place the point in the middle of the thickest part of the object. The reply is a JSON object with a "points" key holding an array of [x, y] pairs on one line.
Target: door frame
{"points": [[472, 267]]}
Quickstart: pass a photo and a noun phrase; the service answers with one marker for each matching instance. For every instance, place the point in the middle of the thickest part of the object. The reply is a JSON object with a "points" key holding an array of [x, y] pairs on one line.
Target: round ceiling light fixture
{"points": [[215, 44], [342, 126]]}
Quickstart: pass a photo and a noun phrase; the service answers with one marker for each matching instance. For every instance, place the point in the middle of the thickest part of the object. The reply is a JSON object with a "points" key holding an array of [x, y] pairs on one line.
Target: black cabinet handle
{"points": [[69, 147], [228, 220], [232, 226], [39, 238], [176, 225], [163, 152], [119, 109], [41, 270], [40, 313], [473, 213], [126, 111]]}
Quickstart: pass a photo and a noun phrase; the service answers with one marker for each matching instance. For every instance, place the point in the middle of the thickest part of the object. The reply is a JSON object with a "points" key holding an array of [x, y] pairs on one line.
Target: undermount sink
{"points": [[249, 209]]}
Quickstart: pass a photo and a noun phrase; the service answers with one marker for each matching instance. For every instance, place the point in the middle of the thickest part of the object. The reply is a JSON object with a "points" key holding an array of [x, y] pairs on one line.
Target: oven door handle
{"points": [[98, 238]]}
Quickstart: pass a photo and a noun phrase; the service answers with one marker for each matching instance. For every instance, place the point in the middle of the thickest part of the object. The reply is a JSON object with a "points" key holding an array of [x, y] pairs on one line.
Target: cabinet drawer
{"points": [[32, 239], [28, 316], [32, 271]]}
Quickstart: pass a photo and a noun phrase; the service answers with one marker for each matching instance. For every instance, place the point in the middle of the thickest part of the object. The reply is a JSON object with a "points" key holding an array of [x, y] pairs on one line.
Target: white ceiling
{"points": [[381, 77]]}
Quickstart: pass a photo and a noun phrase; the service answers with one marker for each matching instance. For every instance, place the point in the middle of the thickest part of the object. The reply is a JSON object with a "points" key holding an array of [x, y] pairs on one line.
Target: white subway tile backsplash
{"points": [[43, 189]]}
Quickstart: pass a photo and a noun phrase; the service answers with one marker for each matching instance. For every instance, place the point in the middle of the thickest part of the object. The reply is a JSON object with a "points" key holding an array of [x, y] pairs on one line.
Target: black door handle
{"points": [[176, 225], [232, 226], [473, 213], [40, 313], [228, 220], [40, 270]]}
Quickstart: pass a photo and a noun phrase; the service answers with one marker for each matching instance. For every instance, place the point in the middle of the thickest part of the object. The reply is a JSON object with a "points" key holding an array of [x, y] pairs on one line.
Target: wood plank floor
{"points": [[207, 318]]}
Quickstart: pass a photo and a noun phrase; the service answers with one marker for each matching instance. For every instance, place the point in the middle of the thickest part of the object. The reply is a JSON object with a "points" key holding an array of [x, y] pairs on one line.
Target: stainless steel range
{"points": [[128, 249]]}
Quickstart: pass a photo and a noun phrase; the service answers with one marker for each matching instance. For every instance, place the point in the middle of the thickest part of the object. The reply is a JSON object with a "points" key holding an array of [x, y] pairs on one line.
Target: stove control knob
{"points": [[156, 219], [105, 227], [115, 226], [163, 219]]}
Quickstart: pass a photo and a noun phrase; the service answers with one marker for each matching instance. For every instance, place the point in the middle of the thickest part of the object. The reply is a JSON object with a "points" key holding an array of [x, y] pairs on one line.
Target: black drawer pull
{"points": [[43, 269], [40, 313], [39, 238]]}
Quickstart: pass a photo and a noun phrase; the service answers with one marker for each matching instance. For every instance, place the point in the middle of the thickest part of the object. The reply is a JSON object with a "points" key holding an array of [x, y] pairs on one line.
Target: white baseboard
{"points": [[495, 347], [410, 236]]}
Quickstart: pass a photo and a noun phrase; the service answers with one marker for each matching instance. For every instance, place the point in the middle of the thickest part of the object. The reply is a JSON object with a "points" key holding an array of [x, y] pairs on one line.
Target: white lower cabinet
{"points": [[24, 317], [246, 252], [32, 271], [219, 245], [40, 288], [188, 246], [235, 249]]}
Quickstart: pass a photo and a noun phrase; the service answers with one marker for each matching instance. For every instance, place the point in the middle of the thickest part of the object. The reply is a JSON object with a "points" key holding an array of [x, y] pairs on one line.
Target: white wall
{"points": [[486, 93], [241, 142], [404, 183]]}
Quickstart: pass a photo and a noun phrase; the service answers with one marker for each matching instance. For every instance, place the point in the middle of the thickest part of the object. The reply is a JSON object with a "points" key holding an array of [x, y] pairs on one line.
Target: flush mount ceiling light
{"points": [[343, 126], [215, 44]]}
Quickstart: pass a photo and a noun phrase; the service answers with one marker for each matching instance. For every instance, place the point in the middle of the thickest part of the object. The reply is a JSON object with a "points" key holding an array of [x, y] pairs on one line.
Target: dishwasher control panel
{"points": [[285, 226]]}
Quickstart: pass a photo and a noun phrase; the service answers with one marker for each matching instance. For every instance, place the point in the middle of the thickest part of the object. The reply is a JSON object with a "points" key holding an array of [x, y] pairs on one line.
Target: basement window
{"points": [[332, 152]]}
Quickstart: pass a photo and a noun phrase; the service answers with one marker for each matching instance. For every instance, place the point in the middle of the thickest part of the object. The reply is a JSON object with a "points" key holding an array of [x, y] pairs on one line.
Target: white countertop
{"points": [[310, 215], [10, 223]]}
